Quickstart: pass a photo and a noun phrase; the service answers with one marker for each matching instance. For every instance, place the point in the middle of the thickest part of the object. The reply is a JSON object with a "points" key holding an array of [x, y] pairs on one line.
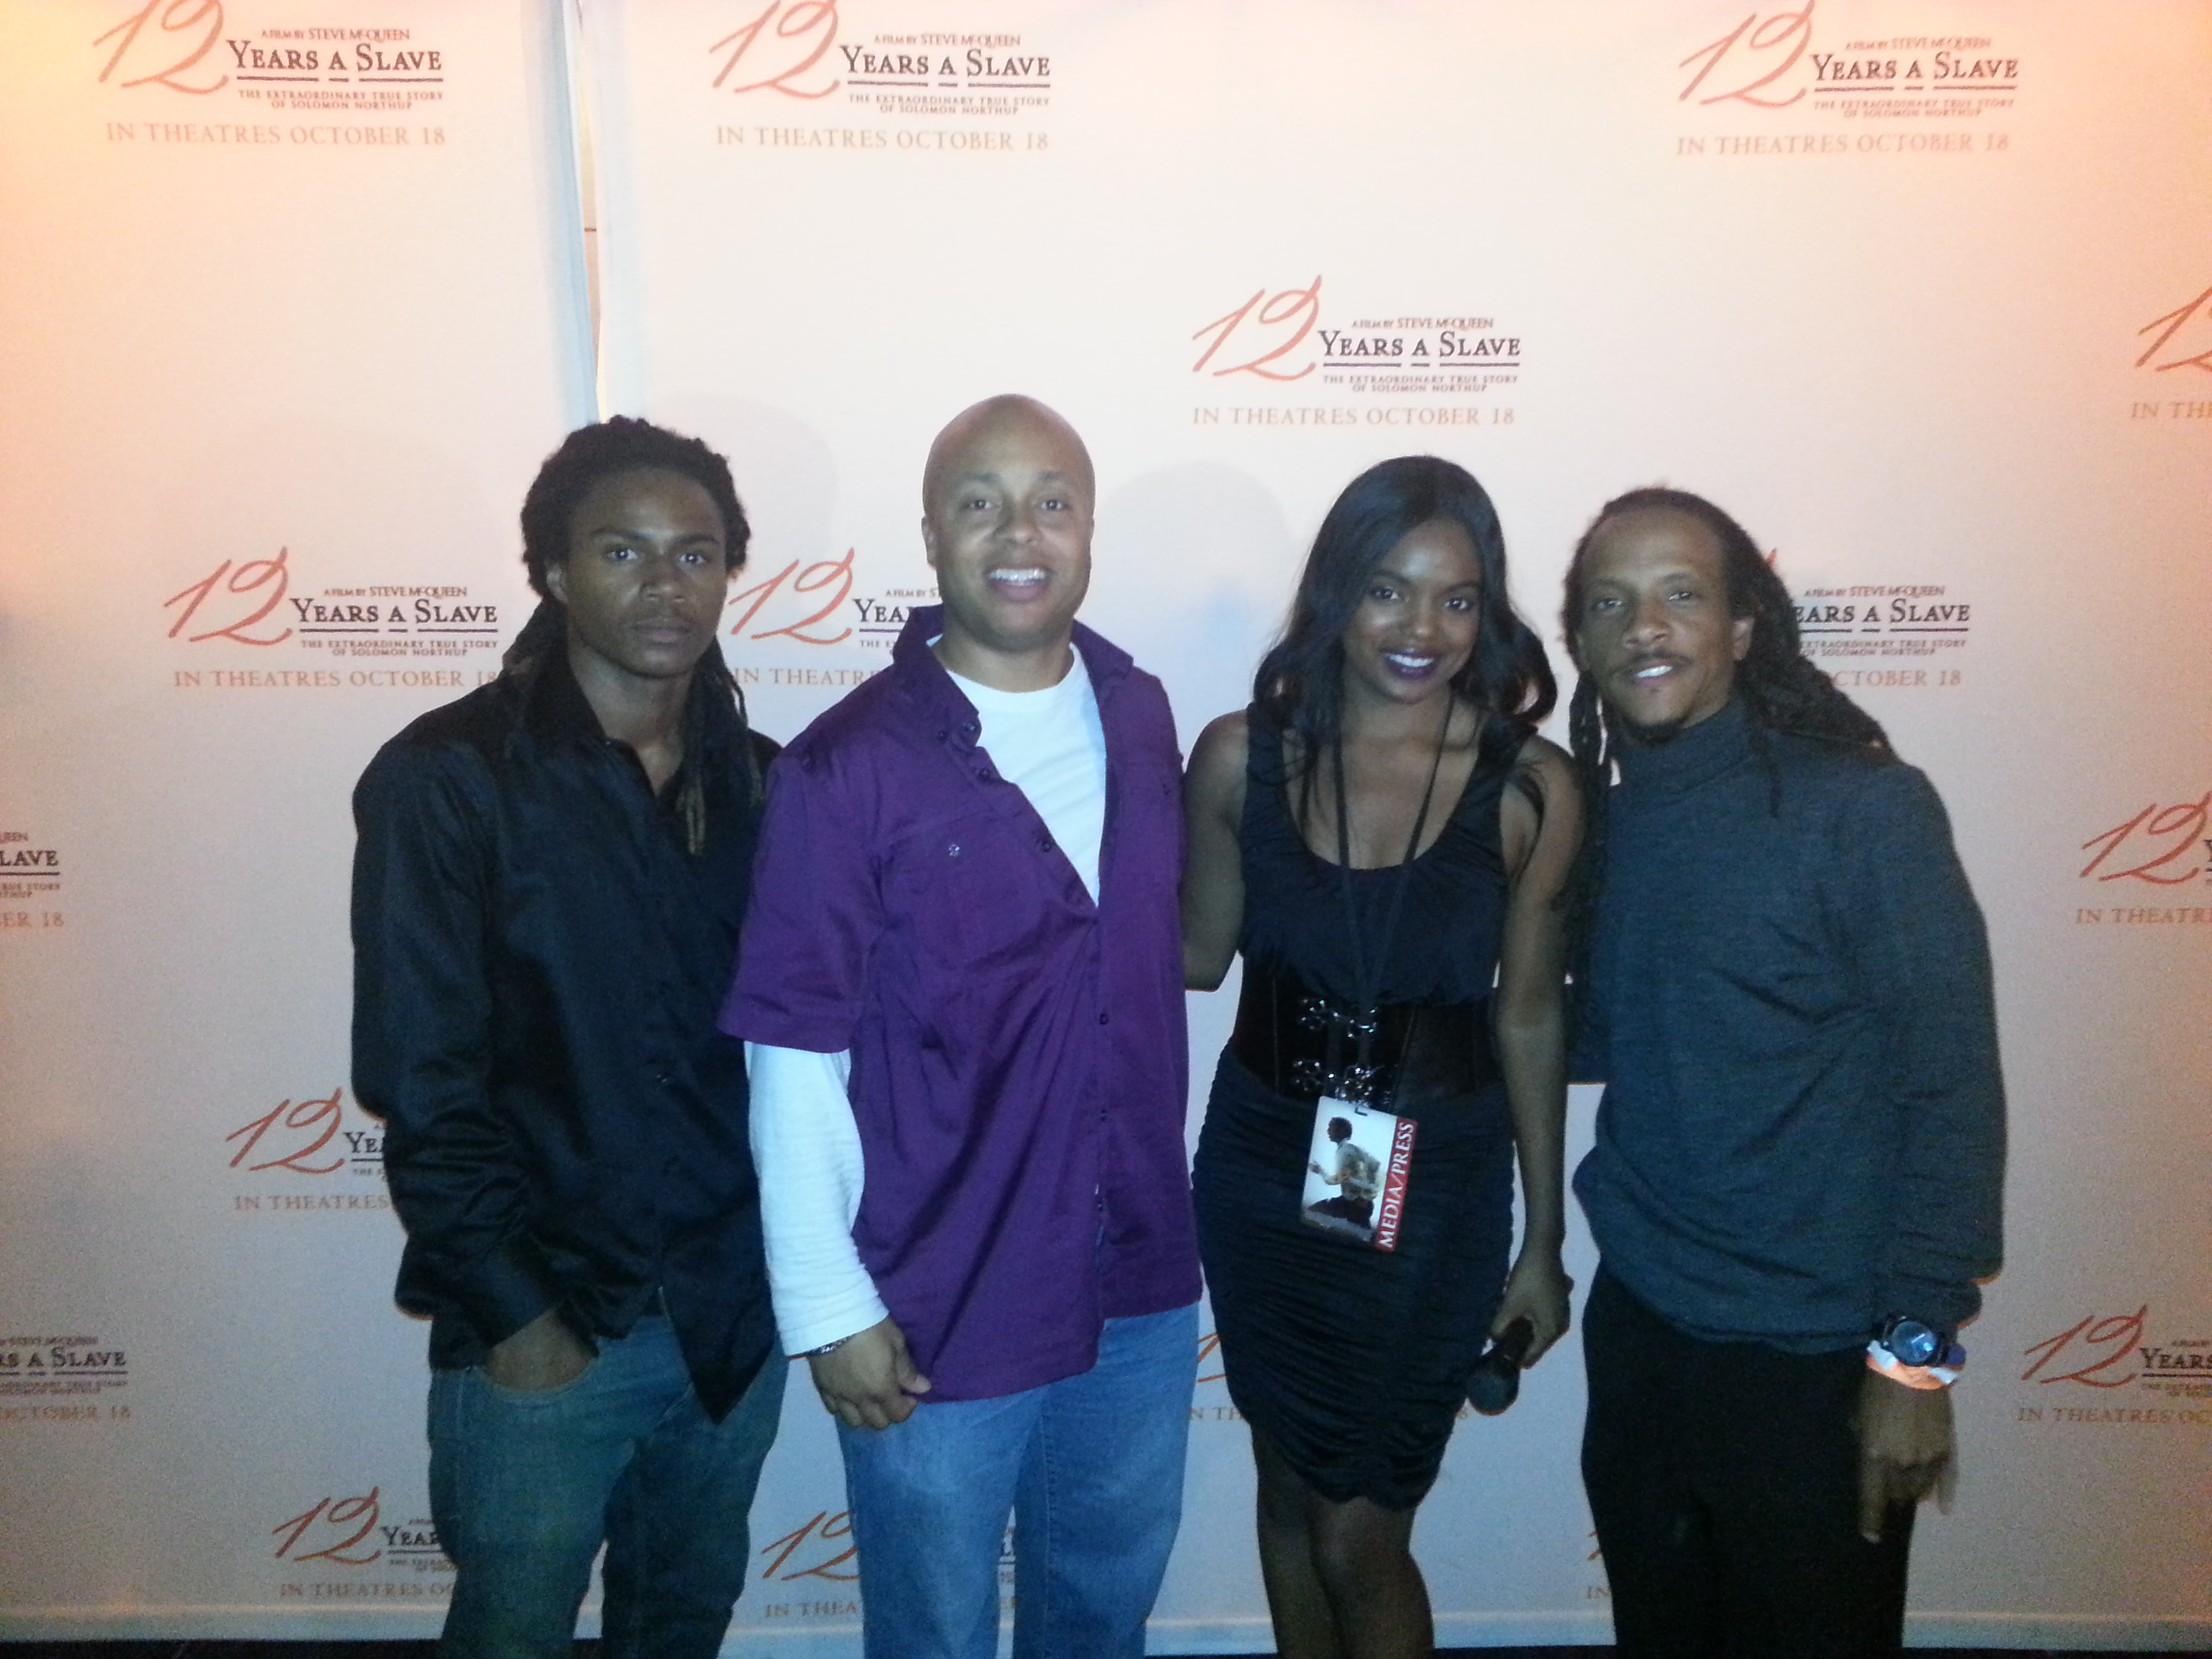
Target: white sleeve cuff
{"points": [[806, 1148]]}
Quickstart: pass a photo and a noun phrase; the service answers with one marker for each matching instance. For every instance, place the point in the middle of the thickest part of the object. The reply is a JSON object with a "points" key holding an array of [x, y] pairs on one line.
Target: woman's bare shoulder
{"points": [[1545, 761], [1222, 748]]}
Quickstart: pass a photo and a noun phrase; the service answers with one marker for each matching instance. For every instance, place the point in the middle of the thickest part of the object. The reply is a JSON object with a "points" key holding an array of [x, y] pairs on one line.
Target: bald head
{"points": [[1008, 413], [1006, 520]]}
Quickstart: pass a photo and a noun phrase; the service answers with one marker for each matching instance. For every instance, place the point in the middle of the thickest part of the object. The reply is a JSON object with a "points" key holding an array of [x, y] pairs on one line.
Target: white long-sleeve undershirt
{"points": [[1051, 745], [807, 1149]]}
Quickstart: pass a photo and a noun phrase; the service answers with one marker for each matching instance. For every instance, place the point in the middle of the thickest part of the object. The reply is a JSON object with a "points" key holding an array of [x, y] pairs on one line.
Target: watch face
{"points": [[1912, 1342]]}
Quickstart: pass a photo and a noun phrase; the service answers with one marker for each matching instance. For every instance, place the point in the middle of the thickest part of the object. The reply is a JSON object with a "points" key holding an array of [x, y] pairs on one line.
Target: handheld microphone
{"points": [[1495, 1382]]}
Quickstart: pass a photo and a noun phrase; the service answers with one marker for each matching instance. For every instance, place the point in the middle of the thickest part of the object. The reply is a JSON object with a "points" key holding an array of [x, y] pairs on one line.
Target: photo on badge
{"points": [[1356, 1170]]}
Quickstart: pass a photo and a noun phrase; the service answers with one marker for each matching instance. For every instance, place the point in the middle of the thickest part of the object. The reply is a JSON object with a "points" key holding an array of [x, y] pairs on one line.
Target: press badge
{"points": [[1357, 1167]]}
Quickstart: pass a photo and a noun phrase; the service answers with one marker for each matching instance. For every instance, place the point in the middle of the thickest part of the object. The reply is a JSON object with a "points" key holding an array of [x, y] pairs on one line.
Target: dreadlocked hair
{"points": [[1299, 687], [585, 457], [1783, 692]]}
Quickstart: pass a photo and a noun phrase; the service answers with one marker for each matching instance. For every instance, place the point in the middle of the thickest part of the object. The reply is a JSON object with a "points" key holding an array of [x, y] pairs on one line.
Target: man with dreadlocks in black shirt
{"points": [[1794, 1186], [547, 892]]}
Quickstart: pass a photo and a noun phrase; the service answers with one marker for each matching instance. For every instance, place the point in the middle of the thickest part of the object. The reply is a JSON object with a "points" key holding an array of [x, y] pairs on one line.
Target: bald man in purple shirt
{"points": [[961, 988]]}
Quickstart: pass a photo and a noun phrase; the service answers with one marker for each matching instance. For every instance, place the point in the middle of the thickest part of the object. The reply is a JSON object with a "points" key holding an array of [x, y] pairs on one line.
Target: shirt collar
{"points": [[555, 706], [1044, 702], [1696, 754], [933, 692], [556, 711]]}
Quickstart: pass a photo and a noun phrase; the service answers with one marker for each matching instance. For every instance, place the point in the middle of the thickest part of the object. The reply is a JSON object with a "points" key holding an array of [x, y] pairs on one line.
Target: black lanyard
{"points": [[1369, 982]]}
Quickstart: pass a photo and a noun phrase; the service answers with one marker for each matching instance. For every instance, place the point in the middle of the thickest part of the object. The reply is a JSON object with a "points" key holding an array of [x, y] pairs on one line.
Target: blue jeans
{"points": [[524, 1486], [1092, 1469]]}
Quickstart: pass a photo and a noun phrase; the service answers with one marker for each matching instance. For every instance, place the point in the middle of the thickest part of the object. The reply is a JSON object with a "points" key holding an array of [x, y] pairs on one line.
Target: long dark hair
{"points": [[1782, 690], [623, 444], [1299, 687], [589, 453]]}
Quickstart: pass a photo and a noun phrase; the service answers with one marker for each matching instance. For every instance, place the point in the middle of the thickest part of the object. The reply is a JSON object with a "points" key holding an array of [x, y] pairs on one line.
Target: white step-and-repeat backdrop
{"points": [[291, 301]]}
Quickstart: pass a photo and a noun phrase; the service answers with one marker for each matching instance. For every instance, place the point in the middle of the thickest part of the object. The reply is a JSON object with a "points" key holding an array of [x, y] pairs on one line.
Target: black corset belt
{"points": [[1304, 1044]]}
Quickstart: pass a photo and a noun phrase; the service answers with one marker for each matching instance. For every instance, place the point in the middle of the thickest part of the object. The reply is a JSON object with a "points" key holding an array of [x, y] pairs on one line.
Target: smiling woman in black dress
{"points": [[1384, 838]]}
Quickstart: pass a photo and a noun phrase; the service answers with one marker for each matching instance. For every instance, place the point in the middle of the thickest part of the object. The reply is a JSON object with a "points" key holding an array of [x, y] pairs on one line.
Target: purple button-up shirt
{"points": [[1020, 1058]]}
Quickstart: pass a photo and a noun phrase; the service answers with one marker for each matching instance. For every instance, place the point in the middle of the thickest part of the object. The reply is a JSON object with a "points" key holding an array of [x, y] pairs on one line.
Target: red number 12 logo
{"points": [[1261, 322]]}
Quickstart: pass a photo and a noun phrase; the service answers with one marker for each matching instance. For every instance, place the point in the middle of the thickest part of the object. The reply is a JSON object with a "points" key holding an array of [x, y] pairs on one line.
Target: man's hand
{"points": [[1536, 1290], [543, 1354], [869, 1380], [1905, 1448]]}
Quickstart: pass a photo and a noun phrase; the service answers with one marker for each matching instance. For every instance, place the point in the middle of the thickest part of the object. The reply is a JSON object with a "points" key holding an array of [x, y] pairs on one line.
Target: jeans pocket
{"points": [[534, 1397]]}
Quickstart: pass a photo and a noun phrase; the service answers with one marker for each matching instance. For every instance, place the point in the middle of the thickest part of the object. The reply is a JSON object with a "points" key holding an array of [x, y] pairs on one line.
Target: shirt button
{"points": [[1105, 1020], [952, 849]]}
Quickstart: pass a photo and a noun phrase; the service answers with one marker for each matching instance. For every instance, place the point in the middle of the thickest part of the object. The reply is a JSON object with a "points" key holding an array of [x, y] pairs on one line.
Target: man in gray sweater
{"points": [[1795, 1182]]}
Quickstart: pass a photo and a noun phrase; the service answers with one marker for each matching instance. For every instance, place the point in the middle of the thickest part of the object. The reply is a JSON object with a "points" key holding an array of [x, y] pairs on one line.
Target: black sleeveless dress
{"points": [[1352, 1360]]}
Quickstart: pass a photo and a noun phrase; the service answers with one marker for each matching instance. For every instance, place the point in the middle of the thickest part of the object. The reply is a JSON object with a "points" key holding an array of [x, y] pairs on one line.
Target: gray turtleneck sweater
{"points": [[1802, 1129]]}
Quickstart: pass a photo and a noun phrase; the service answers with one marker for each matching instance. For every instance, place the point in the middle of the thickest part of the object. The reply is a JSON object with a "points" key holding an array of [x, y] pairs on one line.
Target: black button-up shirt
{"points": [[538, 961]]}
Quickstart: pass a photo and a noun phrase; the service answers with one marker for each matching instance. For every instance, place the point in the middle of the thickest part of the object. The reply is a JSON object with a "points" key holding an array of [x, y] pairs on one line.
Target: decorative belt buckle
{"points": [[1360, 1085]]}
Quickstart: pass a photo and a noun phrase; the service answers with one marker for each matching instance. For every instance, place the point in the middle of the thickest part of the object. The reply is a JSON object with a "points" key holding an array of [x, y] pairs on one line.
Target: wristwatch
{"points": [[1914, 1342]]}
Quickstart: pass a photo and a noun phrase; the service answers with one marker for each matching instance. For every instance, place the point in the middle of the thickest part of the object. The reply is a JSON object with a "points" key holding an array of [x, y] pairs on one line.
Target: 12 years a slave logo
{"points": [[312, 1135], [168, 43], [814, 603], [2182, 338], [357, 70], [1775, 59], [2162, 849], [258, 620], [784, 47], [1284, 336], [811, 603], [801, 49], [820, 1549], [242, 600], [73, 1369], [353, 1534], [340, 1529], [30, 876], [1293, 337], [817, 1548], [253, 601], [1884, 620], [2110, 1351], [195, 47], [806, 604], [1808, 84], [2179, 339], [816, 1558], [2164, 846], [1752, 63]]}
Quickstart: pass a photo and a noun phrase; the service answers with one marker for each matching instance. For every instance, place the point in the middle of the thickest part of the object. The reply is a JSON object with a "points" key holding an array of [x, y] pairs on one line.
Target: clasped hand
{"points": [[869, 1380]]}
